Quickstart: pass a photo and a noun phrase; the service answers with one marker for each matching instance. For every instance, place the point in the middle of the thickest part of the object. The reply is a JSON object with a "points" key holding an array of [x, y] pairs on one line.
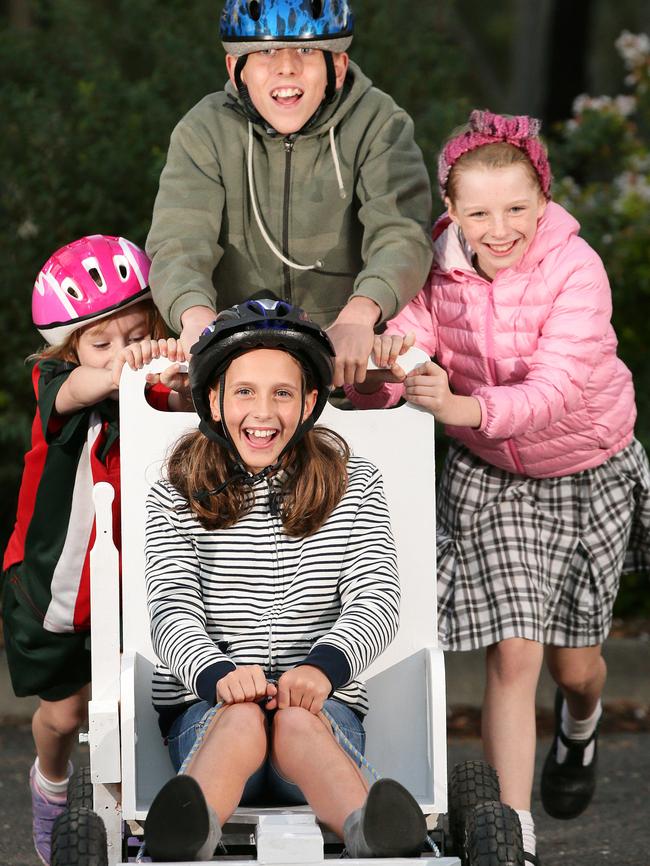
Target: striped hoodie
{"points": [[250, 594]]}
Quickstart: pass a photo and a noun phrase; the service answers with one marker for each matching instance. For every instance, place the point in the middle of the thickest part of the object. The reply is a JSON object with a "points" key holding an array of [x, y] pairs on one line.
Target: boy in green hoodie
{"points": [[299, 175]]}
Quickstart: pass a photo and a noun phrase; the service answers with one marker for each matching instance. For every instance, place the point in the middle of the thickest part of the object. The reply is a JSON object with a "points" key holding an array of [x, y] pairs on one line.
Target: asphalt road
{"points": [[615, 831]]}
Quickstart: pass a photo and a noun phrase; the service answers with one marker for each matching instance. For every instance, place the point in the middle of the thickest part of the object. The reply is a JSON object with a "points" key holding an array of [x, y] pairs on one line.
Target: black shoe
{"points": [[531, 860], [392, 822], [178, 821], [567, 788]]}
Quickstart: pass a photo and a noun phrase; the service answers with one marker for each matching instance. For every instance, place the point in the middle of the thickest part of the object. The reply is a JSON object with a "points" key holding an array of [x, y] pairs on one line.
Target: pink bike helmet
{"points": [[85, 281]]}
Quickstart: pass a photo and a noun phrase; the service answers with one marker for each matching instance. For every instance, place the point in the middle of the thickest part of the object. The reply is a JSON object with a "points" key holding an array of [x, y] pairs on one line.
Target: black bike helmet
{"points": [[258, 324]]}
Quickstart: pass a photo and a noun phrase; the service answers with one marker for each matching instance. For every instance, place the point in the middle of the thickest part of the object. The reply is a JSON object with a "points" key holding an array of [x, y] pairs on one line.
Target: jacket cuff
{"points": [[332, 662], [206, 682], [379, 292], [387, 395], [187, 300], [484, 413]]}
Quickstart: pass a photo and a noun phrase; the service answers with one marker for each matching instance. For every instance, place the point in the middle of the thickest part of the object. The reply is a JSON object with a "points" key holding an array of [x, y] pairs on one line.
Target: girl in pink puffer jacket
{"points": [[545, 496]]}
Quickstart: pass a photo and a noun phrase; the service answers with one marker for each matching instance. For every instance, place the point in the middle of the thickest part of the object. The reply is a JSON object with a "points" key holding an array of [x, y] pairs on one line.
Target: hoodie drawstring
{"points": [[251, 188], [258, 219], [337, 165]]}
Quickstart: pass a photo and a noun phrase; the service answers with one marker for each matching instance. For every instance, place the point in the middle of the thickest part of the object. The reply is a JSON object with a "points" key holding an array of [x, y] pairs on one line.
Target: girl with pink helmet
{"points": [[86, 281], [92, 304], [545, 496]]}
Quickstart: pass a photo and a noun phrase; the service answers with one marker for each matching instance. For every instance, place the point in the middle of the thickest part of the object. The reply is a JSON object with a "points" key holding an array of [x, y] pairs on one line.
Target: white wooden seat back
{"points": [[406, 731]]}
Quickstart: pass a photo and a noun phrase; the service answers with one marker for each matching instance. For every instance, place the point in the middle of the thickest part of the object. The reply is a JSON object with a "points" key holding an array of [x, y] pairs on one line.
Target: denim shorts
{"points": [[266, 786]]}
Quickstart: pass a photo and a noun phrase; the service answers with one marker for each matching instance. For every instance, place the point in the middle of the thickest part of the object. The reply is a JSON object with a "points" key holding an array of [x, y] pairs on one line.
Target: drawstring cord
{"points": [[258, 219], [337, 164]]}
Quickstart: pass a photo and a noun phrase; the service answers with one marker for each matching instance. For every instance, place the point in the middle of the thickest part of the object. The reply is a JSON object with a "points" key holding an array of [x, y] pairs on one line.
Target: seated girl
{"points": [[272, 584]]}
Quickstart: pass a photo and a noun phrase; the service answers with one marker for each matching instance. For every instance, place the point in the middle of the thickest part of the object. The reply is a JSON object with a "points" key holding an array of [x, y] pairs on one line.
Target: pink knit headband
{"points": [[487, 128]]}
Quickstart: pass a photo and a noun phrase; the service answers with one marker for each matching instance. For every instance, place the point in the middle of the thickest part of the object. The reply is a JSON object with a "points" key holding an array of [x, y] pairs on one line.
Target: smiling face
{"points": [[497, 210], [262, 401], [286, 85], [98, 344]]}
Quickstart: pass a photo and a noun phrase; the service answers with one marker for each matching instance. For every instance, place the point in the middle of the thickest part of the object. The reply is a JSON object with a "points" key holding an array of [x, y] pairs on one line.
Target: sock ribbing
{"points": [[353, 837], [52, 789], [527, 831], [578, 730], [214, 836]]}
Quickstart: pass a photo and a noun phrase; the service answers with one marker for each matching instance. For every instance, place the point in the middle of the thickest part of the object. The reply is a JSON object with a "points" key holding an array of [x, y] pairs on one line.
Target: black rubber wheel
{"points": [[79, 839], [470, 783], [493, 836], [80, 790]]}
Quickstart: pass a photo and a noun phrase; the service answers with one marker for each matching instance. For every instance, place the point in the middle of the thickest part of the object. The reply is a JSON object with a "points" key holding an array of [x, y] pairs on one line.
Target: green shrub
{"points": [[90, 95], [601, 160]]}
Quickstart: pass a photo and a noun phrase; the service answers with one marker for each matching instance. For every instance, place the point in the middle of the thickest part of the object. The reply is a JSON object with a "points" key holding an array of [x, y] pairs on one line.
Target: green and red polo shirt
{"points": [[55, 521]]}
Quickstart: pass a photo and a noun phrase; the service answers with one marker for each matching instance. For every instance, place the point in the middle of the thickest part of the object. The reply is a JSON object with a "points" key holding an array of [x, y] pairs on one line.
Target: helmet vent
{"points": [[97, 277], [316, 8], [122, 267], [255, 10], [72, 289]]}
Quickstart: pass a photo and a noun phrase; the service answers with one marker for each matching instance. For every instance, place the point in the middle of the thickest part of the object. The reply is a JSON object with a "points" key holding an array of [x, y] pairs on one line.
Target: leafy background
{"points": [[91, 89]]}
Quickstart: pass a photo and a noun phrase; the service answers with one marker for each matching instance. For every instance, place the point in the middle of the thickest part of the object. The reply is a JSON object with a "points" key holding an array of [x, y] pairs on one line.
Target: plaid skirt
{"points": [[537, 558]]}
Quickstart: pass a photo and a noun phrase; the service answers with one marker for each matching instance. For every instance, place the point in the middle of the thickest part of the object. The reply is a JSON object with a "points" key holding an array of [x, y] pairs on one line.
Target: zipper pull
{"points": [[288, 144]]}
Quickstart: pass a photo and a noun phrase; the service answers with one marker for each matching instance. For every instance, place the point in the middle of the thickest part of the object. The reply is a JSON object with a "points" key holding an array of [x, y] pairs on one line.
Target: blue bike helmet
{"points": [[253, 25]]}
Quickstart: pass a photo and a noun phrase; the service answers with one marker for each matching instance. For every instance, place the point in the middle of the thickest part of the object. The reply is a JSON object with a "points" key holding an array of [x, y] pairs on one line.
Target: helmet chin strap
{"points": [[253, 114], [240, 473], [330, 89]]}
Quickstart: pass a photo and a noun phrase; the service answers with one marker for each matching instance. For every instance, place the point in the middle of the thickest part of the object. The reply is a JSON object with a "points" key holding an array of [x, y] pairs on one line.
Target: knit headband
{"points": [[487, 128]]}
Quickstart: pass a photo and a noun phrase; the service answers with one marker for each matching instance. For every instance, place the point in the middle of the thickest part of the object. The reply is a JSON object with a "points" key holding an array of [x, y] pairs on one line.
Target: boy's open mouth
{"points": [[287, 96]]}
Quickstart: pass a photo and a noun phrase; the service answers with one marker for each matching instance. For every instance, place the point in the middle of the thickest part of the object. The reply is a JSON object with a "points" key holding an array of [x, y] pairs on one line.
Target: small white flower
{"points": [[621, 105], [631, 184], [634, 48], [625, 105], [581, 102], [26, 230]]}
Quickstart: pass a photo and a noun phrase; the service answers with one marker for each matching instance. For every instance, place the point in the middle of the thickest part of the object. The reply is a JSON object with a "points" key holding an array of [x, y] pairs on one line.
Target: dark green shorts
{"points": [[44, 663]]}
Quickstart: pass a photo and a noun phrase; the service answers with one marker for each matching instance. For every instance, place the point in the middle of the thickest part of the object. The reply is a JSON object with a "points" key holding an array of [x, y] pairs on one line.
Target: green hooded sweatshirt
{"points": [[350, 194]]}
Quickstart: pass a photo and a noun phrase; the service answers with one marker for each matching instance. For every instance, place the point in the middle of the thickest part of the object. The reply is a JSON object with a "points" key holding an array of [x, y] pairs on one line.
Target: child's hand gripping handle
{"points": [[393, 357], [412, 358]]}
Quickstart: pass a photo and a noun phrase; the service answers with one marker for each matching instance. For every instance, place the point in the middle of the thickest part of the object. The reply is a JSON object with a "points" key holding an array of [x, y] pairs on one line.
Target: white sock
{"points": [[214, 837], [527, 831], [54, 789], [579, 730]]}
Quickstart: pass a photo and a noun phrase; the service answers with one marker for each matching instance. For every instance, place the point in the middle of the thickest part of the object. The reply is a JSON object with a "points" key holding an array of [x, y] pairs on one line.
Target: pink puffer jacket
{"points": [[535, 347]]}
